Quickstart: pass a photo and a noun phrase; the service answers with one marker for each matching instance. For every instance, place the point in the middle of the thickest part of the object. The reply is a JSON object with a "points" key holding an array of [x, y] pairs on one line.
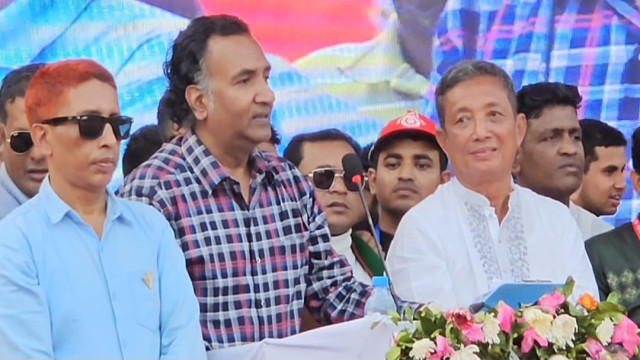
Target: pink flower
{"points": [[593, 348], [462, 318], [443, 349], [529, 336], [466, 322], [552, 302], [626, 334], [474, 333], [506, 316]]}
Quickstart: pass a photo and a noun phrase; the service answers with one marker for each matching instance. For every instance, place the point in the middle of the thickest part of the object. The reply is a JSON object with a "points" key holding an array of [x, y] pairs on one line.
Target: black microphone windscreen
{"points": [[352, 166]]}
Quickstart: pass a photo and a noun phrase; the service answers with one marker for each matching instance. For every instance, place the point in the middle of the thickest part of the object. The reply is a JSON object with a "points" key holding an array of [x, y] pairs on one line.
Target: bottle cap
{"points": [[380, 281]]}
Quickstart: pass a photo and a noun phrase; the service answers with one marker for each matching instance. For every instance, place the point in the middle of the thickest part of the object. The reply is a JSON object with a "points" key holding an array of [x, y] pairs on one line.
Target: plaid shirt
{"points": [[253, 266]]}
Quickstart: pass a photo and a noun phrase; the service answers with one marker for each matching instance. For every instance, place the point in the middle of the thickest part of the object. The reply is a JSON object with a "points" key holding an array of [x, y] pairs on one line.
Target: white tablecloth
{"points": [[353, 340]]}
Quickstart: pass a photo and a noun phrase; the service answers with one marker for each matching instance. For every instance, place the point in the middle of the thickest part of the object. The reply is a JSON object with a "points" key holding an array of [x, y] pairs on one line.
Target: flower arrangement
{"points": [[553, 328]]}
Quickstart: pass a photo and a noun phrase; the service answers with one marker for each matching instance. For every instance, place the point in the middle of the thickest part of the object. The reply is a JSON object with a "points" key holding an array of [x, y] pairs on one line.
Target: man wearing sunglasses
{"points": [[84, 274], [23, 167], [319, 156]]}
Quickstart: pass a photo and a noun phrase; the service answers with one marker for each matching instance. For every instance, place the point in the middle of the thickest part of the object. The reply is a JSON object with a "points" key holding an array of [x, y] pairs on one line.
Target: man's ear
{"points": [[516, 167], [371, 175], [3, 139], [198, 101], [635, 180], [521, 128], [445, 176], [441, 138], [40, 134]]}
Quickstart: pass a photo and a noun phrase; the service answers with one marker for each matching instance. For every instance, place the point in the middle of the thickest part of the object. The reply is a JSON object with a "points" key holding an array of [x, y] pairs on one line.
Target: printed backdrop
{"points": [[340, 63]]}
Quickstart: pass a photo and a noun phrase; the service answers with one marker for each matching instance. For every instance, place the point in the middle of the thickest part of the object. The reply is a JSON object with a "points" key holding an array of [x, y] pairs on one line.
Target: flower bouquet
{"points": [[552, 328]]}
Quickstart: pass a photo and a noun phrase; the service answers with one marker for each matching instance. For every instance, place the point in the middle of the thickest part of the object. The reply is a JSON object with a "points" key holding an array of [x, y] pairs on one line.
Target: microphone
{"points": [[354, 172]]}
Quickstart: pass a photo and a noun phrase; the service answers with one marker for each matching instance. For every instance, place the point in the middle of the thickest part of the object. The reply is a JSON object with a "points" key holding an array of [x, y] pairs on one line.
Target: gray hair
{"points": [[467, 70]]}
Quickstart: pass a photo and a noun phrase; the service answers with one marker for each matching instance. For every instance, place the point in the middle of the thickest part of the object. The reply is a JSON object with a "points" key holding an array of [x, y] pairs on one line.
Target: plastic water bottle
{"points": [[380, 300]]}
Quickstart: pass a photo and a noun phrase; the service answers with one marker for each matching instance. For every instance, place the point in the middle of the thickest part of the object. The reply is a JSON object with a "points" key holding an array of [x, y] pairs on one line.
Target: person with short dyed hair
{"points": [[84, 274]]}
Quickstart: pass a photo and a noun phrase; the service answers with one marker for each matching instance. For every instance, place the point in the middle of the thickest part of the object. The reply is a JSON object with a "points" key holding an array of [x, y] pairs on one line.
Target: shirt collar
{"points": [[10, 186], [57, 209], [382, 61], [342, 243], [476, 198], [210, 173]]}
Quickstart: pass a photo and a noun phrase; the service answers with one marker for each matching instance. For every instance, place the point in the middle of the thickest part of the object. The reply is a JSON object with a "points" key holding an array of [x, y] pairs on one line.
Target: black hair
{"points": [[470, 69], [14, 85], [275, 138], [534, 98], [143, 143], [186, 66], [597, 133], [166, 117], [413, 135], [635, 150], [293, 152], [364, 156]]}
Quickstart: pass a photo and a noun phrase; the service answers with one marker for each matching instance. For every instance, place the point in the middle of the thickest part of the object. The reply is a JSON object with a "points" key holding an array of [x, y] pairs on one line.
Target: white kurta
{"points": [[589, 224], [342, 245], [449, 249]]}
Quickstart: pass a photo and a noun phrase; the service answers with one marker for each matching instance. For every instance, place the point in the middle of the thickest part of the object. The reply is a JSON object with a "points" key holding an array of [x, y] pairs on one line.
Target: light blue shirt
{"points": [[65, 293], [10, 196]]}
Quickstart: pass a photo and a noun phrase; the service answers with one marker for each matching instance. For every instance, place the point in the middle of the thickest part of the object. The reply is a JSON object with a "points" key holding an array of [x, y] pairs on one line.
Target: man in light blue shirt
{"points": [[22, 168], [84, 274]]}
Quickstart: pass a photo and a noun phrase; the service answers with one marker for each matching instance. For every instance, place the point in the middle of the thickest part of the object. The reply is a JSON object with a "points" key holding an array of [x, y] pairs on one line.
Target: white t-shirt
{"points": [[342, 245], [589, 224], [449, 249]]}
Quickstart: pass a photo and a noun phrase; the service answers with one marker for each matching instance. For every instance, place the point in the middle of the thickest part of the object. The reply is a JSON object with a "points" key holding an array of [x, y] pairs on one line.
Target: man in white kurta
{"points": [[481, 228], [450, 248]]}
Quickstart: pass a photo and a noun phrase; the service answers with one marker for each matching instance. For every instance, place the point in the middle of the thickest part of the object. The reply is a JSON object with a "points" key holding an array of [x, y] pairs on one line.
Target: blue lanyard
{"points": [[378, 237]]}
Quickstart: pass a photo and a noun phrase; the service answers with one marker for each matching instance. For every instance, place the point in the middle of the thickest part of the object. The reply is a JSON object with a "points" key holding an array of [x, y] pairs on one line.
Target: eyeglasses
{"points": [[20, 141], [324, 178], [91, 127]]}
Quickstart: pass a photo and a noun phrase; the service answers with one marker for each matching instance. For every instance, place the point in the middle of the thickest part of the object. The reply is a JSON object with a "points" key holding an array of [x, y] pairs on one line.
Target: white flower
{"points": [[604, 331], [563, 330], [558, 357], [491, 329], [540, 320], [422, 348], [466, 353]]}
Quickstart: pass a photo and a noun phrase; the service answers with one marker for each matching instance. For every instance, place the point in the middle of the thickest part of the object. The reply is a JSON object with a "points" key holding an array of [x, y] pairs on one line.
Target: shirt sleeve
{"points": [[181, 337], [333, 295], [416, 264], [25, 330]]}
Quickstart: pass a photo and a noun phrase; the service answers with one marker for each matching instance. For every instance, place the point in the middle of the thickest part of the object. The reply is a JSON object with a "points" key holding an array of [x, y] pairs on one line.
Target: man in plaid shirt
{"points": [[255, 240]]}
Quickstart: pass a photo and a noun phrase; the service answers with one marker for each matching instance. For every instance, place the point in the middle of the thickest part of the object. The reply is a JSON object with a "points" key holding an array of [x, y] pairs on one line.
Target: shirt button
{"points": [[263, 303], [259, 260]]}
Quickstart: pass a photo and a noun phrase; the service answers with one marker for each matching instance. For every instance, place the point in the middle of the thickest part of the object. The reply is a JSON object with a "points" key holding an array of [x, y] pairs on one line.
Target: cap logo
{"points": [[411, 120]]}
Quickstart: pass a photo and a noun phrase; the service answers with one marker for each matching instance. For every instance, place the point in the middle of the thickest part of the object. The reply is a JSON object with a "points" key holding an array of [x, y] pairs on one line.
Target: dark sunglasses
{"points": [[324, 178], [20, 141], [91, 127]]}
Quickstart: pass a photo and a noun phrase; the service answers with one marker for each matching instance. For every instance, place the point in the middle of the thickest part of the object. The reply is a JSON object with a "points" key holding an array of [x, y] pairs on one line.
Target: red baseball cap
{"points": [[409, 122]]}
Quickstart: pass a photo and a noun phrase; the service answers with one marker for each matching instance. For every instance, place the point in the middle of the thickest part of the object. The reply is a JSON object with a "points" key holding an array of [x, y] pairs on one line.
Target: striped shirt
{"points": [[253, 266]]}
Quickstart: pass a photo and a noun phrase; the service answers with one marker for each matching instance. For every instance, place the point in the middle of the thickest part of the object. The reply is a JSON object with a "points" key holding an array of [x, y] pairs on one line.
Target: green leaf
{"points": [[408, 313], [567, 288], [394, 353], [395, 317], [613, 298]]}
